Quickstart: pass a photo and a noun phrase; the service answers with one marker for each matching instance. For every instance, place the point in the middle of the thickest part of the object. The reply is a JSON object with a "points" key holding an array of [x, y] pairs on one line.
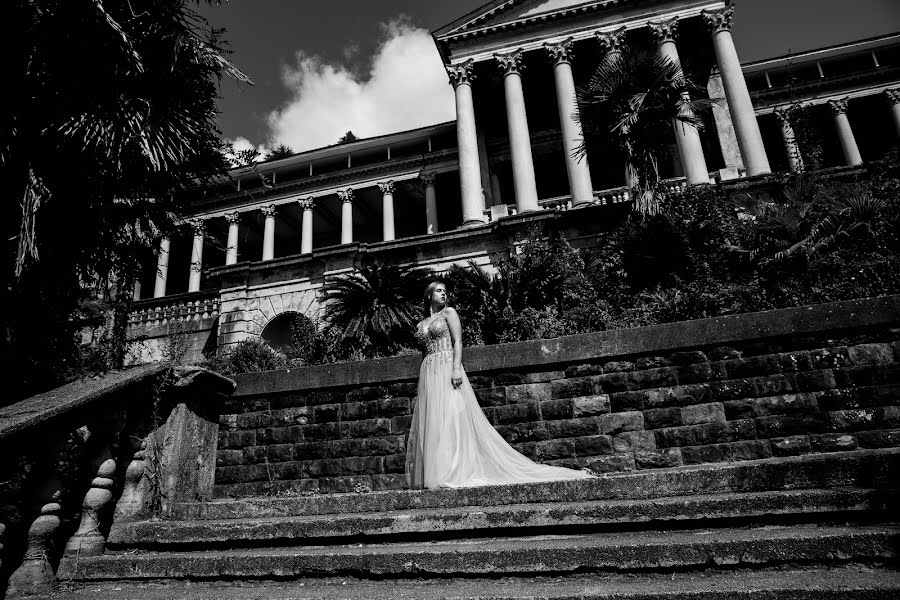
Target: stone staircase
{"points": [[818, 526]]}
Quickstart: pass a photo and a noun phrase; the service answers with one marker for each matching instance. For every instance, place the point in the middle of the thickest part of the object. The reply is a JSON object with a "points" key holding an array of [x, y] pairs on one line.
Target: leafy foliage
{"points": [[348, 138], [376, 308], [632, 96], [280, 151], [111, 109]]}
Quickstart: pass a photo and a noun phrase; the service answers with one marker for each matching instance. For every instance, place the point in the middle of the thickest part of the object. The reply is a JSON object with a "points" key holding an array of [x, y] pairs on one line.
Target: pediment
{"points": [[507, 13]]}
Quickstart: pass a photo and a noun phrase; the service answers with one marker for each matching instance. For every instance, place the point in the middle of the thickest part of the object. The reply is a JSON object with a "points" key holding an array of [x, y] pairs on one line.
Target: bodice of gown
{"points": [[435, 337]]}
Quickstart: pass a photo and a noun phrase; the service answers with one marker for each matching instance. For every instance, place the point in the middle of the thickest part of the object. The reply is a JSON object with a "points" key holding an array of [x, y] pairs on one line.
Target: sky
{"points": [[323, 67]]}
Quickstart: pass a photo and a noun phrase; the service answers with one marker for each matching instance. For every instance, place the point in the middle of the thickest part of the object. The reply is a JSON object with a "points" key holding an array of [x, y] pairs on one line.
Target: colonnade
{"points": [[687, 137], [270, 214], [846, 137]]}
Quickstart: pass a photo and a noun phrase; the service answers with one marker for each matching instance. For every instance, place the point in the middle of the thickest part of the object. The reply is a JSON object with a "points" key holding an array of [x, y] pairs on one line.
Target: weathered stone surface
{"points": [[879, 439], [870, 354], [528, 392], [572, 427], [615, 423], [613, 464], [697, 414], [630, 441], [832, 442], [813, 381], [656, 418], [656, 459], [494, 396], [570, 388], [618, 366], [623, 401], [791, 446], [652, 362], [830, 358], [590, 405], [653, 378]]}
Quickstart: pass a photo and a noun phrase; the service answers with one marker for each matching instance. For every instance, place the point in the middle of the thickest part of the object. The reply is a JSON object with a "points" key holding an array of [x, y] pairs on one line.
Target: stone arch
{"points": [[263, 310]]}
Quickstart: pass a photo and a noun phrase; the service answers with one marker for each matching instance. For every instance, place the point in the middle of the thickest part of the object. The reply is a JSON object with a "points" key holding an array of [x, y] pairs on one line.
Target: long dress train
{"points": [[451, 442]]}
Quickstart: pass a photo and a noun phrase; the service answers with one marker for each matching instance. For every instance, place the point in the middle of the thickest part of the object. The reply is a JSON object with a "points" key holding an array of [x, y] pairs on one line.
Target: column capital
{"points": [[461, 74], [198, 226], [233, 218], [784, 114], [719, 19], [268, 211], [838, 106], [428, 178], [664, 31], [893, 96], [386, 187], [560, 52], [346, 196], [307, 203], [510, 63], [611, 41]]}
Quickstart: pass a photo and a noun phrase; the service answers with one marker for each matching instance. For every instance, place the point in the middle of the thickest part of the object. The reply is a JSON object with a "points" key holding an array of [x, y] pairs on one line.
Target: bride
{"points": [[451, 442]]}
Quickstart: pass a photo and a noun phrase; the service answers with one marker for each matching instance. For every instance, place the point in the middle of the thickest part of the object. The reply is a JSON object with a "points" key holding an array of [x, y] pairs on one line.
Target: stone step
{"points": [[864, 469], [490, 557], [852, 582], [674, 512]]}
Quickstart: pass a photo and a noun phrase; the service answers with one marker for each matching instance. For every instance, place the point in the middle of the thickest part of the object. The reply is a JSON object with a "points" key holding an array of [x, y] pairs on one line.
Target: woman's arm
{"points": [[456, 336]]}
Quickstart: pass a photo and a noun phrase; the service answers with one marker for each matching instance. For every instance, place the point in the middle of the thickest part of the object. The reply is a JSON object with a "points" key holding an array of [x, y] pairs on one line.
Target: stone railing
{"points": [[819, 378], [174, 309], [98, 453]]}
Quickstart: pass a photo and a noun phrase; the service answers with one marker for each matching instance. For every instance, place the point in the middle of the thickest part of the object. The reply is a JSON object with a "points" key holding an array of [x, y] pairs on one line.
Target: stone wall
{"points": [[796, 381]]}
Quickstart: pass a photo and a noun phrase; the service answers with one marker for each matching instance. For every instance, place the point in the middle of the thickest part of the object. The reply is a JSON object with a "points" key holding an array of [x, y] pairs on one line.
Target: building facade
{"points": [[263, 241]]}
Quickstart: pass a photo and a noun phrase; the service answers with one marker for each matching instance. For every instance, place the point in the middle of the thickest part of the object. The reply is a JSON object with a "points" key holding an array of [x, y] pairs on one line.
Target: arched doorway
{"points": [[280, 331]]}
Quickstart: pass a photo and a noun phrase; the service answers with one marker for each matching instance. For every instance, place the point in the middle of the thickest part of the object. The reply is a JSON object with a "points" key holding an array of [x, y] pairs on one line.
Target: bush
{"points": [[248, 356]]}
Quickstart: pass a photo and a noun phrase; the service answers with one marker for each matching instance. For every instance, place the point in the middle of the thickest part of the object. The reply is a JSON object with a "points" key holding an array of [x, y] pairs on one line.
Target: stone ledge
{"points": [[731, 329]]}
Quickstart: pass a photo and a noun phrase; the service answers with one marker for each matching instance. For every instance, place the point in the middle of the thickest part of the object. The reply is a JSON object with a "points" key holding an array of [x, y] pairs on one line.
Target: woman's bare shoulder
{"points": [[449, 311]]}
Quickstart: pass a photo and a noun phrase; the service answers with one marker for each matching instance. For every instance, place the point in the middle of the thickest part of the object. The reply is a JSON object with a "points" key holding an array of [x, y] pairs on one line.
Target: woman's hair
{"points": [[429, 292]]}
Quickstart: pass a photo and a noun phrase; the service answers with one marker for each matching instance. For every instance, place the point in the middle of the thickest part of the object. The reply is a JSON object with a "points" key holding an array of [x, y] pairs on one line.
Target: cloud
{"points": [[405, 88]]}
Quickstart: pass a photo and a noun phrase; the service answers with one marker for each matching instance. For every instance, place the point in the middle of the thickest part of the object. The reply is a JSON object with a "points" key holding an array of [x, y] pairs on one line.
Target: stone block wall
{"points": [[706, 404]]}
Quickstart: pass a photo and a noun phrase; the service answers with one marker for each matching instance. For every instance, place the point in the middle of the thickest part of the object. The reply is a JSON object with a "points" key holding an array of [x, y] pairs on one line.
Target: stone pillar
{"points": [[742, 113], [519, 137], [346, 197], [580, 186], [88, 541], [848, 141], [387, 210], [196, 256], [431, 220], [687, 137], [136, 292], [231, 251], [306, 229], [795, 159], [893, 97], [495, 187], [269, 232], [467, 143], [162, 268]]}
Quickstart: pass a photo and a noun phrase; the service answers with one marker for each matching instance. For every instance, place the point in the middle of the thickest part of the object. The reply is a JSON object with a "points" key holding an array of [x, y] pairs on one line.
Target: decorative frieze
{"points": [[664, 31], [719, 19], [560, 52], [462, 73], [510, 63]]}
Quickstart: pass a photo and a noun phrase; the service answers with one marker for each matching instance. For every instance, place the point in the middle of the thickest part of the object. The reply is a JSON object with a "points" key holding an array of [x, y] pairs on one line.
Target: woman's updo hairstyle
{"points": [[429, 292]]}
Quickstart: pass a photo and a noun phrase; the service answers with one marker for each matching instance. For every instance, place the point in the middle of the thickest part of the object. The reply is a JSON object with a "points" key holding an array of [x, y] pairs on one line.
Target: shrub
{"points": [[248, 356]]}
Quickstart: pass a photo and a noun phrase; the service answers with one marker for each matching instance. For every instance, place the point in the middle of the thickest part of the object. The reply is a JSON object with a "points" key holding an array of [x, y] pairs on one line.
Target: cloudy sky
{"points": [[323, 67]]}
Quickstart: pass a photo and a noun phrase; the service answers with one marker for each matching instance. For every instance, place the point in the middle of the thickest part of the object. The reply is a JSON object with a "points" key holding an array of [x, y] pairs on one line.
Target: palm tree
{"points": [[111, 110], [377, 307], [632, 99]]}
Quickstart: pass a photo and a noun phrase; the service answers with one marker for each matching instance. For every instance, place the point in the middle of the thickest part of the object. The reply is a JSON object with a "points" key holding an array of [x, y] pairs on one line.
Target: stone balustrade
{"points": [[150, 431], [174, 309]]}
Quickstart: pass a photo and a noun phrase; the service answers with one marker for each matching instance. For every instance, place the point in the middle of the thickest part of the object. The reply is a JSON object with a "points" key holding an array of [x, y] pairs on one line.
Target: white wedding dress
{"points": [[451, 442]]}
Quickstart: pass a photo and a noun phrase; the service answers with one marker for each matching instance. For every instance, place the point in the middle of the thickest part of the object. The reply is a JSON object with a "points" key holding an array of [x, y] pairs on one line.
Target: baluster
{"points": [[35, 575], [88, 541], [132, 502]]}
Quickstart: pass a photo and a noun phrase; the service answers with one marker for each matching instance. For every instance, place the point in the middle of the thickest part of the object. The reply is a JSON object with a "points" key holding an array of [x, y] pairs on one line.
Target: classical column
{"points": [[461, 77], [736, 93], [795, 159], [580, 186], [845, 132], [346, 197], [231, 251], [162, 268], [611, 42], [387, 211], [269, 232], [687, 138], [893, 97], [431, 220], [306, 230], [196, 256], [519, 138]]}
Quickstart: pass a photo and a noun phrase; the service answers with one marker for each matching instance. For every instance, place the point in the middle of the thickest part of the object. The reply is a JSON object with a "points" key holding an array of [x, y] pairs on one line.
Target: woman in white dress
{"points": [[451, 442]]}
